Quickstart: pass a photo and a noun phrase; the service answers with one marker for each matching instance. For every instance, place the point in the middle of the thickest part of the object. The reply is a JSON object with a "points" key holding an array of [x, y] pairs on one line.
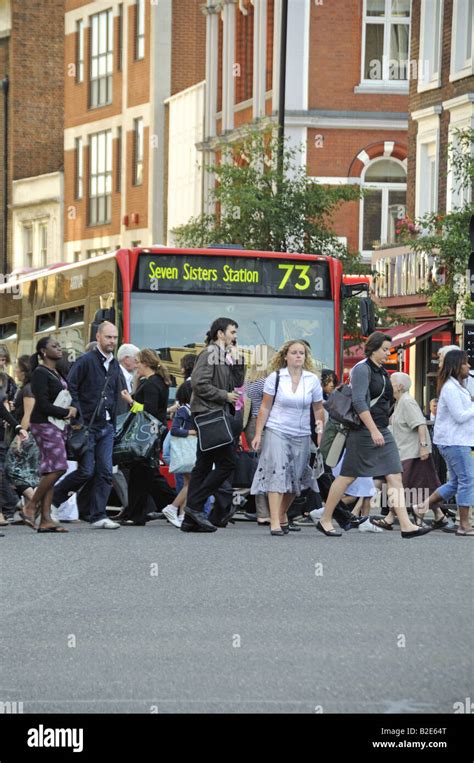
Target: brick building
{"points": [[441, 99], [34, 131], [123, 60], [346, 95]]}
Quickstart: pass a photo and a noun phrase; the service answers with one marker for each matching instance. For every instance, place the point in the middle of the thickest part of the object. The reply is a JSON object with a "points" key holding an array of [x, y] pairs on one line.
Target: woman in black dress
{"points": [[371, 450], [152, 392], [46, 384]]}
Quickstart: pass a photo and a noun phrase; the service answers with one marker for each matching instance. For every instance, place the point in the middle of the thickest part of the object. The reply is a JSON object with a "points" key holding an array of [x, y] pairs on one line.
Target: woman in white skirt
{"points": [[283, 469]]}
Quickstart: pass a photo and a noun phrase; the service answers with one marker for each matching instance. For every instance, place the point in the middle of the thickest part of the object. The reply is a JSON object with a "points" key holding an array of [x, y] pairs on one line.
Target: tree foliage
{"points": [[445, 238], [259, 208]]}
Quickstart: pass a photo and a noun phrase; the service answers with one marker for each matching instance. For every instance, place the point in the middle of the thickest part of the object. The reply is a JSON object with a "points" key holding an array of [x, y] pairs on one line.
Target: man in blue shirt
{"points": [[94, 384]]}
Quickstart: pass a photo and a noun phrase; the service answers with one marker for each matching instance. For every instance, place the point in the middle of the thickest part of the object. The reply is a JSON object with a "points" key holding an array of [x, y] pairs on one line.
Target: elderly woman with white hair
{"points": [[411, 435]]}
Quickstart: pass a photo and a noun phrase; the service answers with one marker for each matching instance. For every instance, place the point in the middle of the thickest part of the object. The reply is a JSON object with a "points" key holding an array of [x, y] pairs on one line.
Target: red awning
{"points": [[405, 334]]}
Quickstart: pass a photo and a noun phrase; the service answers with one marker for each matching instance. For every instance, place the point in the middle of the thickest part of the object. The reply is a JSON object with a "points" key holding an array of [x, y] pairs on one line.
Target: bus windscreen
{"points": [[175, 324]]}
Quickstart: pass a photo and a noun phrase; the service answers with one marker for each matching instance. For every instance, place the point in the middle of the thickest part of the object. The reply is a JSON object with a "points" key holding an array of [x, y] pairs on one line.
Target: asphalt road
{"points": [[150, 619]]}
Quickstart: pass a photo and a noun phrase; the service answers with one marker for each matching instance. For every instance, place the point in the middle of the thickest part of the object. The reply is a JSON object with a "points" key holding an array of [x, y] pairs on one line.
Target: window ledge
{"points": [[468, 71], [424, 87], [384, 87]]}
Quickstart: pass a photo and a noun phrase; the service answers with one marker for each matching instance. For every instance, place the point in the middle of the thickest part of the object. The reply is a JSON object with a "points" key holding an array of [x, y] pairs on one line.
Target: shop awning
{"points": [[407, 334]]}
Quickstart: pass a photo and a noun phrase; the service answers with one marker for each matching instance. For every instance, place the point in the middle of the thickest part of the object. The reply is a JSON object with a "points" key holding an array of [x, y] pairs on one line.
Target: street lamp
{"points": [[282, 88]]}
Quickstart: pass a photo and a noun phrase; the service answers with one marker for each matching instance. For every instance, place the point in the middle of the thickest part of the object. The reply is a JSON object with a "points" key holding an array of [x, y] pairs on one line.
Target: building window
{"points": [[138, 152], [427, 192], [386, 36], [140, 30], [91, 253], [384, 182], [461, 40], [102, 43], [120, 38], [429, 64], [76, 256], [79, 169], [80, 51], [100, 195], [28, 245], [118, 186], [43, 240]]}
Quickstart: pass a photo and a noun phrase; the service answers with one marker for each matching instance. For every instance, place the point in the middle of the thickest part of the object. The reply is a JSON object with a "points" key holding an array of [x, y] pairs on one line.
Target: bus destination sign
{"points": [[244, 276]]}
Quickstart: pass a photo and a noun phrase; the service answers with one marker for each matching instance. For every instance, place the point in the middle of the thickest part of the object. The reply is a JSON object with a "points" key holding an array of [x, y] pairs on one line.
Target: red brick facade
{"points": [[36, 95]]}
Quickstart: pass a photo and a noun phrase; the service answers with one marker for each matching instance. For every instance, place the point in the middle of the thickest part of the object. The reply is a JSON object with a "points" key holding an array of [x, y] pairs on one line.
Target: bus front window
{"points": [[176, 324]]}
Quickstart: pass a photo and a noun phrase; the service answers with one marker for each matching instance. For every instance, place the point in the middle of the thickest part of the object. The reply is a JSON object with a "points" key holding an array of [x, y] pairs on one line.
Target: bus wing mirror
{"points": [[367, 316]]}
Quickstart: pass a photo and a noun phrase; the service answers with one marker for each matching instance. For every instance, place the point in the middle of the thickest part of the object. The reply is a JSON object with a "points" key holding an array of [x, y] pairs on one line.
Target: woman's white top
{"points": [[290, 413], [454, 424]]}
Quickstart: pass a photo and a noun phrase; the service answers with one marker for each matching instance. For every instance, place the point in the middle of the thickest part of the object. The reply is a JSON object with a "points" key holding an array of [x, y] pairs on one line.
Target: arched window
{"points": [[384, 182]]}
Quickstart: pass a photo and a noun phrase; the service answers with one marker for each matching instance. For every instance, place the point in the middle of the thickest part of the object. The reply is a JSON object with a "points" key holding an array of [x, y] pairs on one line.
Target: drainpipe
{"points": [[5, 86]]}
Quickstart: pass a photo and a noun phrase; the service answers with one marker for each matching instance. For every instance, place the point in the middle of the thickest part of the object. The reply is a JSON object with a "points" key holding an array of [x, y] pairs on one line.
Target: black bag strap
{"points": [[101, 400], [277, 384]]}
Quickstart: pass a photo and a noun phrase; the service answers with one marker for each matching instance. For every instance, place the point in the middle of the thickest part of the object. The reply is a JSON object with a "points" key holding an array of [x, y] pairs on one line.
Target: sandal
{"points": [[383, 524], [27, 520], [466, 533], [438, 524], [56, 529]]}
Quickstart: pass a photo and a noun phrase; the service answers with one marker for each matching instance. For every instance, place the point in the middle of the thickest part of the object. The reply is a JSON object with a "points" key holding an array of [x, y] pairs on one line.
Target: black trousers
{"points": [[145, 481], [205, 480], [341, 514]]}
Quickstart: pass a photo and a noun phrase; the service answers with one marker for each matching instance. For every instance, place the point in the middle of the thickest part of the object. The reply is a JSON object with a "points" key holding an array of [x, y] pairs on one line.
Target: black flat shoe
{"points": [[278, 532], [329, 533], [290, 528], [416, 533]]}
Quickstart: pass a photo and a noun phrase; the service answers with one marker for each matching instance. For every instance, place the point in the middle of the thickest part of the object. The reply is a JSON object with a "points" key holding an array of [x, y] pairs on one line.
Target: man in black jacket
{"points": [[94, 384], [215, 376]]}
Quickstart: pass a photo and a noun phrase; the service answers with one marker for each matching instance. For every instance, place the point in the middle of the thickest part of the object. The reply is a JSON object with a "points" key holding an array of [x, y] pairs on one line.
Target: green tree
{"points": [[445, 238], [259, 209]]}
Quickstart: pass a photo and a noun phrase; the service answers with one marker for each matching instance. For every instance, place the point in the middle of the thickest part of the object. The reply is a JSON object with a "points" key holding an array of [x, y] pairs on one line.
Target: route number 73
{"points": [[303, 281]]}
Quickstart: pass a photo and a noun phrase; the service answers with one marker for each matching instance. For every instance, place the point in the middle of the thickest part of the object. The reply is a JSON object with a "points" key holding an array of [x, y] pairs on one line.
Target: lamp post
{"points": [[5, 87], [282, 85]]}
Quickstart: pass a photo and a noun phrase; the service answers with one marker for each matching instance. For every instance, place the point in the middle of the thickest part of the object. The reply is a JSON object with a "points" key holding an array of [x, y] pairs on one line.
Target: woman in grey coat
{"points": [[371, 450]]}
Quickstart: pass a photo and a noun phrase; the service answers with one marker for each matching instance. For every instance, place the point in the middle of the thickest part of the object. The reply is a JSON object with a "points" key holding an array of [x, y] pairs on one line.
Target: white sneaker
{"points": [[368, 527], [316, 514], [171, 514], [105, 524]]}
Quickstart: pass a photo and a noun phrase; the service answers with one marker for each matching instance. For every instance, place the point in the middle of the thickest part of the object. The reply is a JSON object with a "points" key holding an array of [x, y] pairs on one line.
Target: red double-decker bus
{"points": [[166, 298]]}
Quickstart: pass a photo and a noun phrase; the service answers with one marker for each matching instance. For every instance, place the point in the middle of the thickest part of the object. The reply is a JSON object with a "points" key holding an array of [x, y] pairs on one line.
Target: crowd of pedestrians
{"points": [[270, 416]]}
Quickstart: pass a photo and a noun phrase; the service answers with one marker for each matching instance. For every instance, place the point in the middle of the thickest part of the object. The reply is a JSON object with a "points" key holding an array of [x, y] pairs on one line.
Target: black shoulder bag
{"points": [[77, 441]]}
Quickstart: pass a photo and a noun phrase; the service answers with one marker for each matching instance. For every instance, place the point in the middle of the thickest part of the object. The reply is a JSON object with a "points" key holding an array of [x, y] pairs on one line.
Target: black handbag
{"points": [[77, 439], [213, 430], [245, 468], [340, 408]]}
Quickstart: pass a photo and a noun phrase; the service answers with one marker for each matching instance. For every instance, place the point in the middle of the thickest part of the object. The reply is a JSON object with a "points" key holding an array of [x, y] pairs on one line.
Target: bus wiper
{"points": [[259, 331]]}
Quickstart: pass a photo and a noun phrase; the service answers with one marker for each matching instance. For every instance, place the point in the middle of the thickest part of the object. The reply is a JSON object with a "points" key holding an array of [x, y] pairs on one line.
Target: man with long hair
{"points": [[216, 374]]}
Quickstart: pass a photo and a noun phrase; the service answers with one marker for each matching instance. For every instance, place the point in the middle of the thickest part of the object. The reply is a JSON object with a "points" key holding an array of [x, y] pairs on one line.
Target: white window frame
{"points": [[102, 169], [78, 168], [101, 57], [428, 134], [138, 150], [28, 251], [140, 30], [429, 70], [461, 64], [80, 51], [385, 188], [385, 84], [43, 250], [461, 117]]}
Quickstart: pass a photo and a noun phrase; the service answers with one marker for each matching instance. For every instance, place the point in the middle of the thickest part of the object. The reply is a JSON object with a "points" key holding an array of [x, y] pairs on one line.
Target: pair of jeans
{"points": [[93, 475], [205, 480], [460, 462]]}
